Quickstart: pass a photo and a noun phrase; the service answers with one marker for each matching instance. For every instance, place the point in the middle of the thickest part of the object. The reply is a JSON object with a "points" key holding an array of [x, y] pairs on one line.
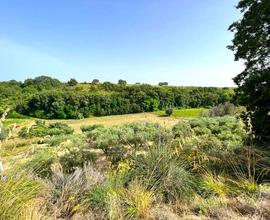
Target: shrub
{"points": [[107, 139], [138, 135], [40, 162], [59, 128], [70, 154], [4, 134], [119, 142], [40, 129], [57, 140], [74, 154], [229, 130], [33, 131], [225, 109], [182, 130], [72, 82], [169, 111], [87, 128]]}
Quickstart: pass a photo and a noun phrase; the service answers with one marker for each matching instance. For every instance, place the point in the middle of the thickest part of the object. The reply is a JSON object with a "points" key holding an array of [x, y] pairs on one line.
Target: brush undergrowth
{"points": [[205, 167]]}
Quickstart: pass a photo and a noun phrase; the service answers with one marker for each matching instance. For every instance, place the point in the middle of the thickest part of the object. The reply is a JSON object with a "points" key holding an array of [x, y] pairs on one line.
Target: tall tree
{"points": [[252, 44], [72, 82]]}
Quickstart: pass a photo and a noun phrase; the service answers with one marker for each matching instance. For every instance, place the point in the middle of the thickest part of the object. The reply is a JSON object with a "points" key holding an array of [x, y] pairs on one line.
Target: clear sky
{"points": [[182, 42]]}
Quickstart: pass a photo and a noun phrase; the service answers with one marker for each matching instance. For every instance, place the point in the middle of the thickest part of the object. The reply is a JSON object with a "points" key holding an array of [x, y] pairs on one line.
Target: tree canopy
{"points": [[252, 44], [60, 100]]}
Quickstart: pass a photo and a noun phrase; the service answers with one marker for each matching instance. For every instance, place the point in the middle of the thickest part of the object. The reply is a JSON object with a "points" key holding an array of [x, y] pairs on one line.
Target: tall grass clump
{"points": [[118, 200], [68, 190], [137, 201], [159, 170], [17, 193]]}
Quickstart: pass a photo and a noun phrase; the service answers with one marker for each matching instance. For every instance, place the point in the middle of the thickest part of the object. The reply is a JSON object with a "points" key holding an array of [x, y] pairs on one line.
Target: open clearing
{"points": [[155, 117], [105, 120], [119, 119], [184, 113]]}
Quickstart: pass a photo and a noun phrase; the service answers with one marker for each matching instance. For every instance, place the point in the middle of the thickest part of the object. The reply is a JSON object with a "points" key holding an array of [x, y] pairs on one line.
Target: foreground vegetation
{"points": [[205, 167]]}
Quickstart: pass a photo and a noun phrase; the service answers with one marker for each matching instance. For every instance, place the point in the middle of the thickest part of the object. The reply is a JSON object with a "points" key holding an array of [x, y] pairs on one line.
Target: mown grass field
{"points": [[119, 119], [184, 113], [155, 117]]}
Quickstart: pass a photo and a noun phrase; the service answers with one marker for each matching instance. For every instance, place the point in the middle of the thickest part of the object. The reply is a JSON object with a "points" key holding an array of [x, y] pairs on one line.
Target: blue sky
{"points": [[182, 42]]}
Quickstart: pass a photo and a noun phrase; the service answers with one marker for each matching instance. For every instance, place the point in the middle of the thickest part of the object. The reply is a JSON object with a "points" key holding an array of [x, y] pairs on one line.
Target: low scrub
{"points": [[70, 154], [204, 168], [225, 109]]}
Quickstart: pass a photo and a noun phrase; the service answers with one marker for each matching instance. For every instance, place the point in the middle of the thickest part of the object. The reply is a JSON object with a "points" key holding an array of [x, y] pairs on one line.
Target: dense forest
{"points": [[45, 97]]}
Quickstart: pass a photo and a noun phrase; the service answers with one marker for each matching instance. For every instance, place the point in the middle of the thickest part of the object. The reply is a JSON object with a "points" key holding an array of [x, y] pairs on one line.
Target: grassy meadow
{"points": [[184, 113]]}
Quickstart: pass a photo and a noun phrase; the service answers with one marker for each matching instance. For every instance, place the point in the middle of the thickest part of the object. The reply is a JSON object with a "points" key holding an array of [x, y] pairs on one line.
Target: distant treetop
{"points": [[122, 82], [42, 82], [95, 81], [163, 84], [72, 82]]}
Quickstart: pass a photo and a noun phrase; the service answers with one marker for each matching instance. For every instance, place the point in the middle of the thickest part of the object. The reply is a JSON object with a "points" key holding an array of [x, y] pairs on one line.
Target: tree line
{"points": [[45, 97]]}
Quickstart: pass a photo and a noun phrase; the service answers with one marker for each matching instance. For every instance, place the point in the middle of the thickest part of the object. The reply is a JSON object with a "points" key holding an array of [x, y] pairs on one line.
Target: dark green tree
{"points": [[251, 43], [122, 82], [72, 82], [169, 111], [95, 81], [42, 83], [163, 84]]}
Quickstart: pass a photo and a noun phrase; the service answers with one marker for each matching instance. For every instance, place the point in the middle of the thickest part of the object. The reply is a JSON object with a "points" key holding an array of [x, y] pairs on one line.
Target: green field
{"points": [[184, 113], [17, 121]]}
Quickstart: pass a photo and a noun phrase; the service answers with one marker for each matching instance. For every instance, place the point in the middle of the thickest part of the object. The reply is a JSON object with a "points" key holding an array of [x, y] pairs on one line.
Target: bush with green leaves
{"points": [[73, 155], [225, 109], [56, 140], [118, 199], [208, 143], [40, 162], [70, 154], [228, 131], [60, 129], [4, 133], [169, 111], [97, 196], [87, 128], [118, 142], [40, 129]]}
